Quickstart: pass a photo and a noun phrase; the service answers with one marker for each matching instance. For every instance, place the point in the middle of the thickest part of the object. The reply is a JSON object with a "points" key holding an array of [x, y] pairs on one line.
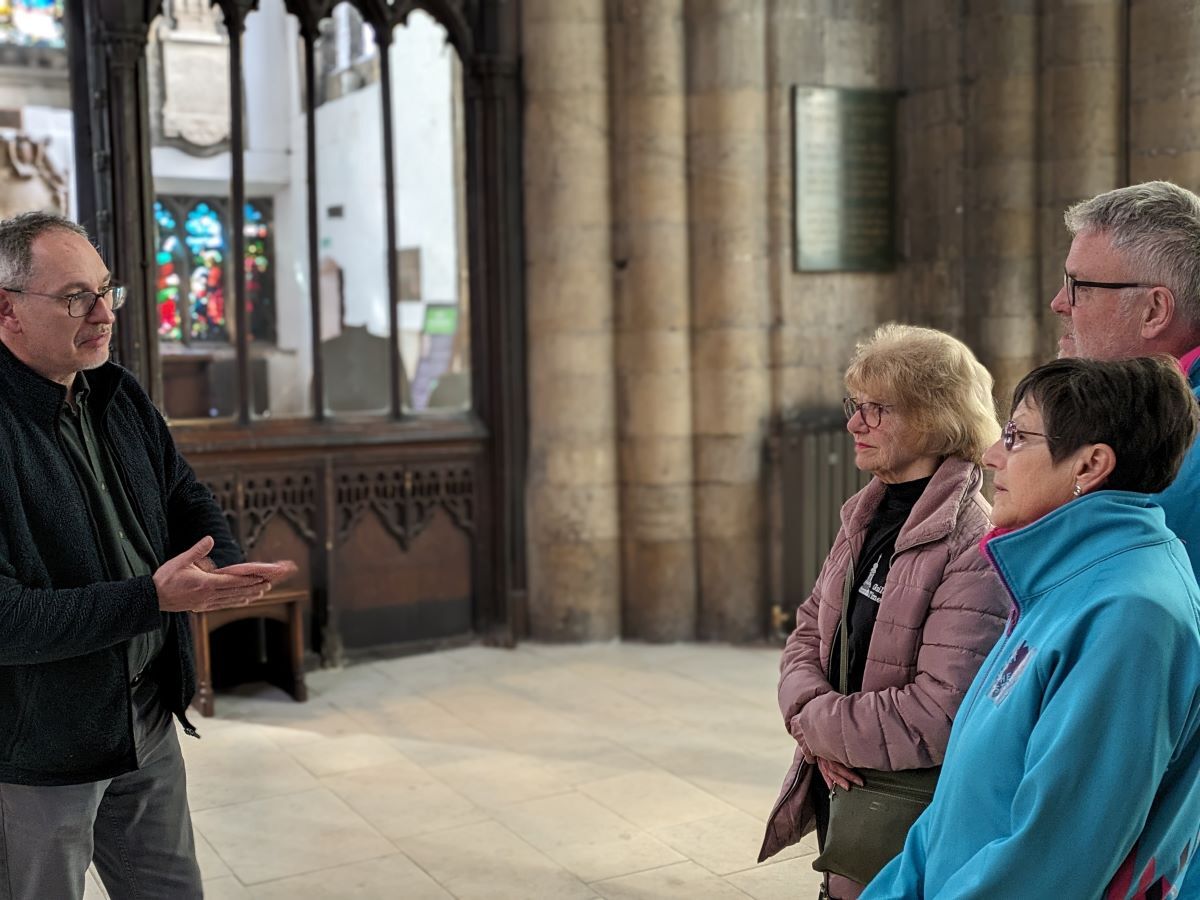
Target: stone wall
{"points": [[669, 332]]}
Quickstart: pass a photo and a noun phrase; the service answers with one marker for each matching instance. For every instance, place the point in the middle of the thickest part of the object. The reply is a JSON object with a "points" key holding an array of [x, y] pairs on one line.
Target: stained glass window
{"points": [[32, 23], [190, 280], [260, 307], [205, 238], [170, 266]]}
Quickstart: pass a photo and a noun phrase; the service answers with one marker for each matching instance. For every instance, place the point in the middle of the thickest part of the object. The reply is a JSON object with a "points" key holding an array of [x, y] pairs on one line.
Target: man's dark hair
{"points": [[16, 243], [1142, 408]]}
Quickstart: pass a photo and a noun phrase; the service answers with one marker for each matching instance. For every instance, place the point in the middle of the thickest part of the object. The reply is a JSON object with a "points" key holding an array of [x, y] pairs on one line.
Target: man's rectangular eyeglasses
{"points": [[81, 304], [1071, 283], [1012, 435], [872, 413]]}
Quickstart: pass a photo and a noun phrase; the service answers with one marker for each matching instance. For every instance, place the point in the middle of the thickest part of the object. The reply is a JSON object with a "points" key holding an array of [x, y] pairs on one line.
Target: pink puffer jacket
{"points": [[942, 609]]}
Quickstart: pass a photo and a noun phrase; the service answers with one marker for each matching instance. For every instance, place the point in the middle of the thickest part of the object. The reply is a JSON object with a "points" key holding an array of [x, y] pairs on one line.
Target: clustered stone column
{"points": [[1081, 129], [727, 107], [1002, 296], [930, 140], [654, 400], [1164, 76], [574, 565]]}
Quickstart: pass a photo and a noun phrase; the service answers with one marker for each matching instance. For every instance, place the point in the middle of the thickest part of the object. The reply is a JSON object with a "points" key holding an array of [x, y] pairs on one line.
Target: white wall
{"points": [[350, 175], [422, 110]]}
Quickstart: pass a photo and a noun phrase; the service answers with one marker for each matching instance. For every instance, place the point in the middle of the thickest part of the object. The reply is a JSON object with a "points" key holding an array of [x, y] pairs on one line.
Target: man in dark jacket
{"points": [[106, 541]]}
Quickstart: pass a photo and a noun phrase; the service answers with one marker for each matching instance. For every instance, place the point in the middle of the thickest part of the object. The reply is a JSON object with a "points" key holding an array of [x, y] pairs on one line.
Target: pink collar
{"points": [[1189, 359], [994, 533]]}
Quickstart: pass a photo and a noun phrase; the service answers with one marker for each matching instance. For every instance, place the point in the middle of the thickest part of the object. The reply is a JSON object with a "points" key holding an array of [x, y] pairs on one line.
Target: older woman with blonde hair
{"points": [[903, 612]]}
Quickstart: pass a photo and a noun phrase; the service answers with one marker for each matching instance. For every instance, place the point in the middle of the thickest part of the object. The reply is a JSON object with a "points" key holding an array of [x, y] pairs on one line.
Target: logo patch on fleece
{"points": [[1012, 670]]}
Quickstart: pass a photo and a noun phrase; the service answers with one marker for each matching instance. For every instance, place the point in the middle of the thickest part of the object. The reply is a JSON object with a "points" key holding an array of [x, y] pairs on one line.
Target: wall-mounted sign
{"points": [[843, 205]]}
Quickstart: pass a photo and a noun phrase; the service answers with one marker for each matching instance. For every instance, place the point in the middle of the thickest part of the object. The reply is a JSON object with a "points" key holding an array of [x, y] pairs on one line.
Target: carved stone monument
{"points": [[193, 54], [28, 177]]}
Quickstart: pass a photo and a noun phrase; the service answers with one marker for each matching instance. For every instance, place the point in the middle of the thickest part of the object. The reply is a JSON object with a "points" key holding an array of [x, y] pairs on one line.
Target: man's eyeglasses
{"points": [[1070, 282], [872, 413], [1012, 435], [81, 303]]}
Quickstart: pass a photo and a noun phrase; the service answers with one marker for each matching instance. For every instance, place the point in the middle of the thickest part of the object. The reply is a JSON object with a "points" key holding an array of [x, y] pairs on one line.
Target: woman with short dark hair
{"points": [[904, 609], [1074, 764]]}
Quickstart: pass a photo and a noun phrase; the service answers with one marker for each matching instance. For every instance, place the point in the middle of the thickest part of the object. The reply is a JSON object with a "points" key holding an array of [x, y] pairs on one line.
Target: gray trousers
{"points": [[136, 826]]}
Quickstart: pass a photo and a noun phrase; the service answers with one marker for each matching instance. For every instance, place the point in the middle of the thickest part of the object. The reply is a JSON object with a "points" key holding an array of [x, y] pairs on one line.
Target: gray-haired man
{"points": [[106, 540], [1131, 287]]}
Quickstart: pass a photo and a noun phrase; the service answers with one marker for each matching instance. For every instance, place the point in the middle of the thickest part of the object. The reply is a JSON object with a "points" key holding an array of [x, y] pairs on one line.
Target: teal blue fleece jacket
{"points": [[1073, 768], [1181, 501]]}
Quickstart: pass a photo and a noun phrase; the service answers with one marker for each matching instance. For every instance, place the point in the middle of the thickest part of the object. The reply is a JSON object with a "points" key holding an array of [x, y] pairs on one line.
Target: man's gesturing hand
{"points": [[186, 583]]}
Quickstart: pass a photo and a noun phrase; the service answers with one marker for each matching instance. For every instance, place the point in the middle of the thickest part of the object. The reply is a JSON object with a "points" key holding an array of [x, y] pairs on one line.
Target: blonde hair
{"points": [[935, 381]]}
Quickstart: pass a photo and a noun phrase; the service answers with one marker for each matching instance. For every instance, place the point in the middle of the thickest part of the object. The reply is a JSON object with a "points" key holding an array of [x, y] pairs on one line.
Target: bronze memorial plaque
{"points": [[843, 206]]}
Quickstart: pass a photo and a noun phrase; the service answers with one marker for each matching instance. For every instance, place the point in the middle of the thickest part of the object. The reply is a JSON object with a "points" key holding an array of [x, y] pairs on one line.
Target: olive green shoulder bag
{"points": [[868, 824]]}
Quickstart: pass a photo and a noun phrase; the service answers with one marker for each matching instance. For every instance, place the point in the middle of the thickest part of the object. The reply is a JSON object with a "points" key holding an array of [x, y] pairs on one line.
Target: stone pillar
{"points": [[727, 106], [109, 75], [654, 400], [1081, 130], [1164, 79], [931, 180], [819, 315], [574, 565], [1001, 294]]}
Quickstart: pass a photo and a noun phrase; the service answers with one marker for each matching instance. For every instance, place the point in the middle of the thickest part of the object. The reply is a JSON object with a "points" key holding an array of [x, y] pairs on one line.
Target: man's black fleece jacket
{"points": [[64, 623]]}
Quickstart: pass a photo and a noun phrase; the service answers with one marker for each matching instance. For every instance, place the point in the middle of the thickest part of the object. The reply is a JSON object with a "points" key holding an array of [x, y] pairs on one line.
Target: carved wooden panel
{"points": [[224, 490], [250, 500], [406, 497], [291, 494], [385, 595]]}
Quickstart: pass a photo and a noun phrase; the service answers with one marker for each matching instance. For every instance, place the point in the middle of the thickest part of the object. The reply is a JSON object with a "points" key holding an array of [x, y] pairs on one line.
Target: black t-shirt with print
{"points": [[870, 575]]}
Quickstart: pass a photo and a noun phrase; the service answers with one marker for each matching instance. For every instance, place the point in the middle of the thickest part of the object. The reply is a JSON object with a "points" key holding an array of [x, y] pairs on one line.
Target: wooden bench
{"points": [[286, 606]]}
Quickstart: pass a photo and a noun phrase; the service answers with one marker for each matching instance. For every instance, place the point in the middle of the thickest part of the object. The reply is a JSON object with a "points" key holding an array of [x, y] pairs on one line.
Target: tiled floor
{"points": [[600, 771]]}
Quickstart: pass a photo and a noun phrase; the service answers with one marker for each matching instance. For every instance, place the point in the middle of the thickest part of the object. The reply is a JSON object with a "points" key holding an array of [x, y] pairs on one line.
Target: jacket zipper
{"points": [[140, 513], [783, 798], [1013, 618], [58, 438]]}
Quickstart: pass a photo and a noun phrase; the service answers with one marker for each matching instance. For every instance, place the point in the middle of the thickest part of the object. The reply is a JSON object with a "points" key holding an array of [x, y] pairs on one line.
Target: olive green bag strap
{"points": [[867, 825], [844, 638]]}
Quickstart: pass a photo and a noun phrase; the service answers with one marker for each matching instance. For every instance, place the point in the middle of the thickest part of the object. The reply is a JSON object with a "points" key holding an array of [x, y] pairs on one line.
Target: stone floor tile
{"points": [[227, 888], [579, 699], [234, 767], [501, 713], [489, 862], [585, 837], [93, 888], [375, 879], [403, 800], [335, 755], [211, 864], [722, 844], [755, 799], [274, 714], [501, 779], [654, 799], [356, 683], [496, 662], [418, 719], [282, 836], [682, 881], [423, 672], [787, 880]]}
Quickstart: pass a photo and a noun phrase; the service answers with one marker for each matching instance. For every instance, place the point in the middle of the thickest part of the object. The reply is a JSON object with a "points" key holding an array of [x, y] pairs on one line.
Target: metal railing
{"points": [[817, 475]]}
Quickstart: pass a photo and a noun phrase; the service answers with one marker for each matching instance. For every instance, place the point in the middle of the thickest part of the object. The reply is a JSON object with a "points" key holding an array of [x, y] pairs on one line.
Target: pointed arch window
{"points": [[32, 23], [191, 269]]}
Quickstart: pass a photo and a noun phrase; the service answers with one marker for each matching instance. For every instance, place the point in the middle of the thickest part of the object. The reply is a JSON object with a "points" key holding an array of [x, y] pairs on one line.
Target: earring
{"points": [[1078, 490]]}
